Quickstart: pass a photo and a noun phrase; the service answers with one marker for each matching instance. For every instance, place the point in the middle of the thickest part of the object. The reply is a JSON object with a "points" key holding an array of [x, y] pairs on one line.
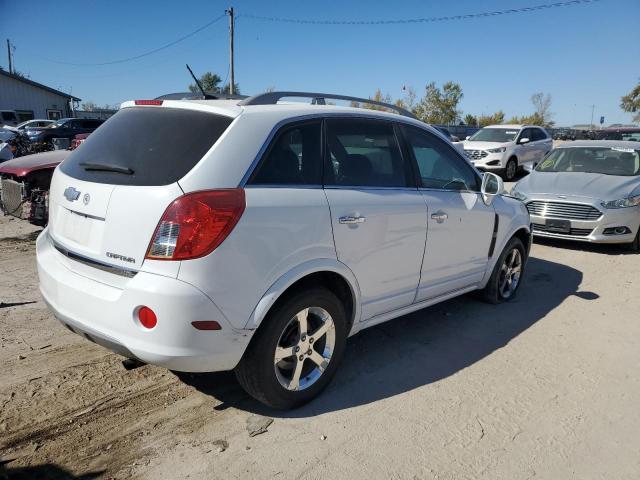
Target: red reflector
{"points": [[148, 102], [206, 325], [147, 318]]}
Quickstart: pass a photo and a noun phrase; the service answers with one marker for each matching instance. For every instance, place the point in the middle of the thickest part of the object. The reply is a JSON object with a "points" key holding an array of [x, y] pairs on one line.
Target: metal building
{"points": [[32, 99]]}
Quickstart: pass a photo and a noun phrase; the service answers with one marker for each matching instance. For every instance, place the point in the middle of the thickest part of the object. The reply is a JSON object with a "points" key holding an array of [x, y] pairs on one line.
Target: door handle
{"points": [[439, 216], [350, 220]]}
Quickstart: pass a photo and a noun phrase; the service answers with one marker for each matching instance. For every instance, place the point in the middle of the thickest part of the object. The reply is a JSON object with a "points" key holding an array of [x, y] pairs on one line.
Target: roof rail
{"points": [[199, 96], [271, 98]]}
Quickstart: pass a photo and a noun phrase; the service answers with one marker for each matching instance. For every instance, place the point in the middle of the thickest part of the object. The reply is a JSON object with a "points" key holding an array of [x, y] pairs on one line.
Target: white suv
{"points": [[506, 148], [257, 236]]}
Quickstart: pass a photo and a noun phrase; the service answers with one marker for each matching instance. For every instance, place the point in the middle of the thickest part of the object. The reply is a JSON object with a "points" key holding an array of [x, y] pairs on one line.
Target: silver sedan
{"points": [[587, 191]]}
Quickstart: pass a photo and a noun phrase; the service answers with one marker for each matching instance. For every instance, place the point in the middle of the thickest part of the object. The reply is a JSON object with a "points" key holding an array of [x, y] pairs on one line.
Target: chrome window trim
{"points": [[321, 116]]}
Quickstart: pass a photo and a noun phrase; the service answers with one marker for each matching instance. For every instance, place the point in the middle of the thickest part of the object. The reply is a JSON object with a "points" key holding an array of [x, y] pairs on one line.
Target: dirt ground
{"points": [[547, 386]]}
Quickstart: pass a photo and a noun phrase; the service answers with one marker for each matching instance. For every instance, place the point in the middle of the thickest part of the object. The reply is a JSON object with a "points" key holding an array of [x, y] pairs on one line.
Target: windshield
{"points": [[603, 160], [500, 135], [146, 146]]}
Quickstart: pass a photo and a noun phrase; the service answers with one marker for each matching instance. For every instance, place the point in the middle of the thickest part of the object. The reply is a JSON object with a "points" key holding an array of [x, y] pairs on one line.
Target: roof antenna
{"points": [[204, 95]]}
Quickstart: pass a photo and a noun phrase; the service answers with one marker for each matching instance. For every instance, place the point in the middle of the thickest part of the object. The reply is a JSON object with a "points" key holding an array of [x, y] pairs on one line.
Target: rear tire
{"points": [[499, 288], [284, 366]]}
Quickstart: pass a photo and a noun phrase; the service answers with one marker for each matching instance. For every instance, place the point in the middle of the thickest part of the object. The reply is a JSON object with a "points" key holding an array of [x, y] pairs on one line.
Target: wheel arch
{"points": [[331, 274]]}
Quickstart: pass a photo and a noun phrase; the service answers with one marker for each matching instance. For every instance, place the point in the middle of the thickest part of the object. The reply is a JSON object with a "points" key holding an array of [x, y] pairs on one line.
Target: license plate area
{"points": [[558, 226]]}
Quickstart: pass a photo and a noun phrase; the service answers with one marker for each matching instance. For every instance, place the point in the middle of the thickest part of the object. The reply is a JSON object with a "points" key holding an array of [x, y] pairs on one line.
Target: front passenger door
{"points": [[460, 225]]}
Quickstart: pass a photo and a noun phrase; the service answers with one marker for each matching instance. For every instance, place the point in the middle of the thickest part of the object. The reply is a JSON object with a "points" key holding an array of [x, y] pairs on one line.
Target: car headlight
{"points": [[623, 202], [497, 150]]}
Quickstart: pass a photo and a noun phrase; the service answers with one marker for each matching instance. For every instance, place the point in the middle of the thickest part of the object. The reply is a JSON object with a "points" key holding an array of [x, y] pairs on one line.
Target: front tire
{"points": [[296, 351], [635, 245], [507, 274], [511, 170]]}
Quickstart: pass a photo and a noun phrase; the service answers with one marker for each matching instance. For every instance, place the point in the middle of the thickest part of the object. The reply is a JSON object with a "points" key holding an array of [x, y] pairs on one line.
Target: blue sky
{"points": [[581, 55]]}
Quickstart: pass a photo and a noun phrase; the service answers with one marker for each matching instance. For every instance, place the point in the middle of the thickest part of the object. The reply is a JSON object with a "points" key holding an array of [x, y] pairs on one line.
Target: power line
{"points": [[145, 54], [424, 19]]}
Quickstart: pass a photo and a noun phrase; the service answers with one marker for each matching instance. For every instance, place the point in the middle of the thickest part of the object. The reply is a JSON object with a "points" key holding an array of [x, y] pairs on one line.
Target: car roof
{"points": [[279, 111], [509, 126], [602, 143]]}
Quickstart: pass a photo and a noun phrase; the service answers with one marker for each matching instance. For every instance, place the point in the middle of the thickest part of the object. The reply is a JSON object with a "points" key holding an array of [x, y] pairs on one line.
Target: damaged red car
{"points": [[25, 185]]}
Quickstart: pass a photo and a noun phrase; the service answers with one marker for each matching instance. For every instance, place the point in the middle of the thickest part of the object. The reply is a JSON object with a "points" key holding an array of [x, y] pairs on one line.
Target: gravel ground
{"points": [[546, 386]]}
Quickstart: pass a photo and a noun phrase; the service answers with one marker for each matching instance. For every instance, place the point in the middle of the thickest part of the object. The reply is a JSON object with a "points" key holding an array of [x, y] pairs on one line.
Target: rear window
{"points": [[146, 146]]}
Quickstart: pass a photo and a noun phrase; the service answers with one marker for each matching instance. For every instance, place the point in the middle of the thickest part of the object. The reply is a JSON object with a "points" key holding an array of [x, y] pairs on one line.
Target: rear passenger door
{"points": [[379, 218], [460, 225], [287, 215]]}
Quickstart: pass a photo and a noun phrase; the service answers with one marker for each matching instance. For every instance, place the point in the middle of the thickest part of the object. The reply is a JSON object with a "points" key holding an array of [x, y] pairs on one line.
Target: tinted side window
{"points": [[526, 133], [539, 134], [364, 153], [438, 166], [293, 158]]}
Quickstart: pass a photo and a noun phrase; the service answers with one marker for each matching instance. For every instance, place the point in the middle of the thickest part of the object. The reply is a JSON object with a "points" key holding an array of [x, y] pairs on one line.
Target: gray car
{"points": [[587, 191]]}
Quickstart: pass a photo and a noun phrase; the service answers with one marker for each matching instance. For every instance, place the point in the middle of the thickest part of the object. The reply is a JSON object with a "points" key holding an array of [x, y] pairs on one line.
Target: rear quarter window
{"points": [[158, 145]]}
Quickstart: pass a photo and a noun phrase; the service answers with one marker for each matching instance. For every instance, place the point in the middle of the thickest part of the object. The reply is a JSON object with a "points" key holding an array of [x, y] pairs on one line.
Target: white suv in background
{"points": [[506, 148], [207, 235]]}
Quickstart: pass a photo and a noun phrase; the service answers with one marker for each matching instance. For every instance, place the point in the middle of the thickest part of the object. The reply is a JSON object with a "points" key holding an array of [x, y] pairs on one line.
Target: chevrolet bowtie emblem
{"points": [[71, 194]]}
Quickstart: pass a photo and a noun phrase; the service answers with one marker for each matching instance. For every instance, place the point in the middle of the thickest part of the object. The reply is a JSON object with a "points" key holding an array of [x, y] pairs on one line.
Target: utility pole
{"points": [[232, 81], [593, 107], [10, 56]]}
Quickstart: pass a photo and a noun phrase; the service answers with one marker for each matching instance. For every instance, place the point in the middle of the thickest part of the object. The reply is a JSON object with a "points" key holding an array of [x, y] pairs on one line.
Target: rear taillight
{"points": [[195, 224]]}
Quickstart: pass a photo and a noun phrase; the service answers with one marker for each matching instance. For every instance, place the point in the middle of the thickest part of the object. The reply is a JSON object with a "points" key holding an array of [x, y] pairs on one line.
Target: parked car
{"points": [[506, 148], [630, 134], [8, 118], [25, 183], [36, 123], [255, 251], [63, 128], [564, 134], [587, 191]]}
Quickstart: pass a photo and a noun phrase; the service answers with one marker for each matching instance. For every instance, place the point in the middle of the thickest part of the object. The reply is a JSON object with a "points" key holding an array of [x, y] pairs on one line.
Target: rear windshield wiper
{"points": [[106, 167]]}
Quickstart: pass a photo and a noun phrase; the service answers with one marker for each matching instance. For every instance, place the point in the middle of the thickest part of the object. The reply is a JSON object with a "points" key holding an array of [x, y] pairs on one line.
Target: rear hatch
{"points": [[107, 197]]}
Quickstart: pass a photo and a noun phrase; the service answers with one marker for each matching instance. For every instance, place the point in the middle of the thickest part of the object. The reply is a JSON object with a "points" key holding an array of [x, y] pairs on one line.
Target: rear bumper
{"points": [[105, 313]]}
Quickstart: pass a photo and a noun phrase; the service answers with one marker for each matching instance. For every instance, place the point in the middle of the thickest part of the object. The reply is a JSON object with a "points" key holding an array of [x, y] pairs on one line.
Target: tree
{"points": [[494, 119], [88, 106], [407, 102], [211, 84], [631, 103], [542, 114], [470, 120], [440, 106], [378, 97]]}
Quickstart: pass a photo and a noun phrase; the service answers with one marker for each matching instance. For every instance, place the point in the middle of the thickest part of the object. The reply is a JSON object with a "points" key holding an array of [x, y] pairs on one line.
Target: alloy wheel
{"points": [[510, 273], [304, 349]]}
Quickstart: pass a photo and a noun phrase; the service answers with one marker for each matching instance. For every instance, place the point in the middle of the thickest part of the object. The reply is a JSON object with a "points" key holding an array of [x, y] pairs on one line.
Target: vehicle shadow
{"points": [[419, 348], [602, 248], [47, 471]]}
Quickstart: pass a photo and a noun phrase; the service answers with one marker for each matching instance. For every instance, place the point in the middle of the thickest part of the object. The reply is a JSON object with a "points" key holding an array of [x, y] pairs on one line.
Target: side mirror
{"points": [[492, 185], [522, 141]]}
